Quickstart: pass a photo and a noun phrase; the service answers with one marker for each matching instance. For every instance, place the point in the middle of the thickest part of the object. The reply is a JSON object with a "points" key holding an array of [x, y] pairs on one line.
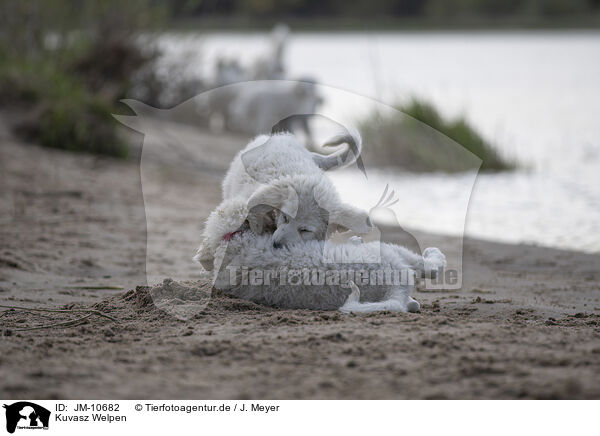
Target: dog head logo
{"points": [[26, 415], [172, 149]]}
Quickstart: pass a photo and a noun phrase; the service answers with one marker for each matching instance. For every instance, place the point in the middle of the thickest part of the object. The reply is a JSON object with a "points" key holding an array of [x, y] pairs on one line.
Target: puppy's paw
{"points": [[413, 305], [354, 296], [205, 257], [434, 262], [353, 300]]}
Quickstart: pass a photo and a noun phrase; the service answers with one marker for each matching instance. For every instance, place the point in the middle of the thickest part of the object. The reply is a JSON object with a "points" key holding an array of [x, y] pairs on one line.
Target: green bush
{"points": [[64, 66], [81, 125], [59, 111], [398, 140]]}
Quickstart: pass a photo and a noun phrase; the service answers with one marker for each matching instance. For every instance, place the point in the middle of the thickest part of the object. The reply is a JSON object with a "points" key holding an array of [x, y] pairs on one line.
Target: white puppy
{"points": [[315, 274], [276, 185]]}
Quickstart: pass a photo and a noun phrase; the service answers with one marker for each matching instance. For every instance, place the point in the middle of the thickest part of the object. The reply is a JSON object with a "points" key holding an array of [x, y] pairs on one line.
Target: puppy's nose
{"points": [[277, 244]]}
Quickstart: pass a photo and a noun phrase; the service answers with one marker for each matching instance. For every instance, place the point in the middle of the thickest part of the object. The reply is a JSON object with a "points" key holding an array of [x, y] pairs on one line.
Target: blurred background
{"points": [[516, 83]]}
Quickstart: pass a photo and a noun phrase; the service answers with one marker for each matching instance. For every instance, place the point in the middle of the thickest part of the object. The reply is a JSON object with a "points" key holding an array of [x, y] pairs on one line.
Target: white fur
{"points": [[256, 253], [278, 172], [281, 155]]}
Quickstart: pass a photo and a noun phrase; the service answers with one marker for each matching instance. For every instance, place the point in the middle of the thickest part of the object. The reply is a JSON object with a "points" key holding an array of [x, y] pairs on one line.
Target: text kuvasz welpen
{"points": [[93, 417]]}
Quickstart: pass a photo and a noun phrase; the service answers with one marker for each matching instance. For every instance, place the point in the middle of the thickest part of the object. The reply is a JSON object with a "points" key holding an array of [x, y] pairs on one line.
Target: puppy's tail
{"points": [[345, 156]]}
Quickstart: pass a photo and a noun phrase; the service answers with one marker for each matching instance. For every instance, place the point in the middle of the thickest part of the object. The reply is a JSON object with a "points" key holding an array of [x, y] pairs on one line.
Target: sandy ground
{"points": [[526, 323]]}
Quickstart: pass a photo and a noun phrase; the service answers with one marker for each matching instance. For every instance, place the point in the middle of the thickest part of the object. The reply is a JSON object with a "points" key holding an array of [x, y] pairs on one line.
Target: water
{"points": [[536, 95]]}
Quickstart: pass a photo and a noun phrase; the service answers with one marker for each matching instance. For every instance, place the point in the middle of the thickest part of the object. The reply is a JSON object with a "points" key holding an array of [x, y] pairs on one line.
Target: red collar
{"points": [[230, 235]]}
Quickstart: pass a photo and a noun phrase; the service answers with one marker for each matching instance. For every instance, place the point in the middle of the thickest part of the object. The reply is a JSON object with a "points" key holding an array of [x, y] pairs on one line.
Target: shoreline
{"points": [[588, 22]]}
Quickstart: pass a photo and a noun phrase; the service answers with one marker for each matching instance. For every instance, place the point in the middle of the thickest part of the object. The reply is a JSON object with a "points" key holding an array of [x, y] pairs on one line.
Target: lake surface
{"points": [[536, 95]]}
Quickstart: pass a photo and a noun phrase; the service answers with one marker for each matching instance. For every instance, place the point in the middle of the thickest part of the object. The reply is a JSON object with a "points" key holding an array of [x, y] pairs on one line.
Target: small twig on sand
{"points": [[90, 311], [4, 312], [70, 323], [97, 288]]}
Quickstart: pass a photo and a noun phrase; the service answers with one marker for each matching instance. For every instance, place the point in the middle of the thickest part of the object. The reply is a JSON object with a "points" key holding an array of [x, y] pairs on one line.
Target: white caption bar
{"points": [[263, 418]]}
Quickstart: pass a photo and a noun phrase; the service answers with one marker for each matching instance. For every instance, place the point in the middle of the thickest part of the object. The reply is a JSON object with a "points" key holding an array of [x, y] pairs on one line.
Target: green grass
{"points": [[81, 124], [404, 138], [61, 112], [64, 66]]}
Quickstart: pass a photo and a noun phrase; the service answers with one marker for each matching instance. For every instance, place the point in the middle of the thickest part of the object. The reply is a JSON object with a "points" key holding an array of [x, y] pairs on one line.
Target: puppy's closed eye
{"points": [[306, 234]]}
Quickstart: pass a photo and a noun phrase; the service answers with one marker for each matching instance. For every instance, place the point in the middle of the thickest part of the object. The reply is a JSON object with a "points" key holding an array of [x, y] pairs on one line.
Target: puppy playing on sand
{"points": [[352, 276], [281, 214], [276, 186]]}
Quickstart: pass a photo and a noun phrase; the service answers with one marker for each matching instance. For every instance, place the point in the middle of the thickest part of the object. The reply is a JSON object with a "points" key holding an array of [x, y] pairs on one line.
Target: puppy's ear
{"points": [[268, 198], [349, 218], [261, 219]]}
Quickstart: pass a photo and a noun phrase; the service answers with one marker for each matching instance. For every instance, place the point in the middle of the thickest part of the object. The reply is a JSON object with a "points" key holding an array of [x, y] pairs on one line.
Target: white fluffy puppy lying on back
{"points": [[318, 275]]}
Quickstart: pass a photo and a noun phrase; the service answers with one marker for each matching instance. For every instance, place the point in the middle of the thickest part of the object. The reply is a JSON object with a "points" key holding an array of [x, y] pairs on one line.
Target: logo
{"points": [[26, 415], [290, 195]]}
